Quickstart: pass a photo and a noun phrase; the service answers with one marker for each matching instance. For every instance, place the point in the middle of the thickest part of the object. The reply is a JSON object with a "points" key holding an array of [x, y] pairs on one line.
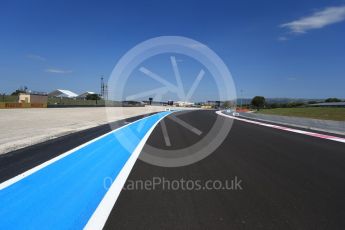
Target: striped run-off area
{"points": [[78, 188], [318, 135]]}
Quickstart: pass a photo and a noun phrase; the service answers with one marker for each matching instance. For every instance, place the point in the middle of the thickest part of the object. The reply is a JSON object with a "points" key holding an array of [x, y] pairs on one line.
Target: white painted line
{"points": [[101, 214], [38, 167], [318, 135]]}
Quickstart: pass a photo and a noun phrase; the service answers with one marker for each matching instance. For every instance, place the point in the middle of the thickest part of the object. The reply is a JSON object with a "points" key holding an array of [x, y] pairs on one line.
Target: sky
{"points": [[272, 48]]}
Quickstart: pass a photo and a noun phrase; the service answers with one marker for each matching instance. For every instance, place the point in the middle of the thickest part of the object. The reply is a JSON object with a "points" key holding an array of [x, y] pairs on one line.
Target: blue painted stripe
{"points": [[64, 194]]}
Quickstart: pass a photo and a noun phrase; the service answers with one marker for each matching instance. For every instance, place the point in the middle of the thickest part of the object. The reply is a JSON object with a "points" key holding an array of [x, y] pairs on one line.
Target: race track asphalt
{"points": [[288, 180]]}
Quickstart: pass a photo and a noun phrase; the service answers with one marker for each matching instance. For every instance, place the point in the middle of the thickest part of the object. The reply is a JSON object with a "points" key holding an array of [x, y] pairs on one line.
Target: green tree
{"points": [[227, 104], [93, 97], [258, 102], [274, 105], [312, 102], [332, 99], [20, 90]]}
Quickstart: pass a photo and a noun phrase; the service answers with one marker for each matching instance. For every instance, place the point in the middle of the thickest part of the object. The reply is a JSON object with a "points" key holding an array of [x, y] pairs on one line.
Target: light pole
{"points": [[241, 93]]}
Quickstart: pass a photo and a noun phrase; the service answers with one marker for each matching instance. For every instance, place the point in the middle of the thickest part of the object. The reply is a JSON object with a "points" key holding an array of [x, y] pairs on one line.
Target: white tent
{"points": [[62, 93], [183, 103]]}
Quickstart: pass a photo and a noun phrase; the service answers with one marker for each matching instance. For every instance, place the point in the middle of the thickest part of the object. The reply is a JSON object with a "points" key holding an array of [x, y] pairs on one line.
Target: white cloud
{"points": [[36, 57], [318, 20], [59, 71]]}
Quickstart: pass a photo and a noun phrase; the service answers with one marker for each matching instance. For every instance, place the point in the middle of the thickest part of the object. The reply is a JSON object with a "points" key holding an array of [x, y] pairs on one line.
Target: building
{"points": [[183, 103], [214, 104], [84, 95], [62, 93], [33, 98]]}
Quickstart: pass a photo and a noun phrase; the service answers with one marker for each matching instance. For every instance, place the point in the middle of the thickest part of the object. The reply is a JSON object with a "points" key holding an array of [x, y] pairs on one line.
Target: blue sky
{"points": [[272, 48]]}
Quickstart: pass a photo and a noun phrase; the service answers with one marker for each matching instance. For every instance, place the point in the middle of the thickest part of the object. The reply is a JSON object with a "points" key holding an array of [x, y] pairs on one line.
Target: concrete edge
{"points": [[296, 125]]}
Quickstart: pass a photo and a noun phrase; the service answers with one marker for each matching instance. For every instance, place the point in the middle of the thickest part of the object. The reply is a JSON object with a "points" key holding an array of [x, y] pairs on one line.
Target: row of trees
{"points": [[259, 102], [95, 97], [333, 99]]}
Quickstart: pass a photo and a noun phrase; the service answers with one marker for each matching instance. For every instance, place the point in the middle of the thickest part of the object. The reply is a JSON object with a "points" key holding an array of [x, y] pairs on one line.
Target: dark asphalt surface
{"points": [[289, 181], [21, 160]]}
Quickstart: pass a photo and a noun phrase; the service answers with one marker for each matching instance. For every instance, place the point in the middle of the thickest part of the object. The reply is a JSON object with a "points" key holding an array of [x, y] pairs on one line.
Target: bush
{"points": [[93, 97], [332, 99]]}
